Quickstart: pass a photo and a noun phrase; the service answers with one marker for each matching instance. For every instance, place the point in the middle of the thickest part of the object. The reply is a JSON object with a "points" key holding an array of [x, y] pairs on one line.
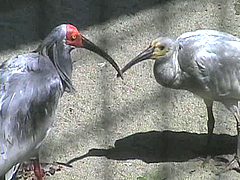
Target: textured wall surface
{"points": [[131, 129]]}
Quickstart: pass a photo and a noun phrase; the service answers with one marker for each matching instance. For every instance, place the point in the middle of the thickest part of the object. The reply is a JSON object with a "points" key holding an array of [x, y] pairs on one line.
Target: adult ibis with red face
{"points": [[31, 85]]}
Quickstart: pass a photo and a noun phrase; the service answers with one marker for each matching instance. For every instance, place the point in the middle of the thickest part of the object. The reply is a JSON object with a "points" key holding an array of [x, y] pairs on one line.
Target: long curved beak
{"points": [[146, 54], [92, 47]]}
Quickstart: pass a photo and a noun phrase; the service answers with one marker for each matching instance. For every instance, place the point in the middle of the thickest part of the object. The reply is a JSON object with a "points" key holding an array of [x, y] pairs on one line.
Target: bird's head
{"points": [[159, 49], [75, 39], [71, 37]]}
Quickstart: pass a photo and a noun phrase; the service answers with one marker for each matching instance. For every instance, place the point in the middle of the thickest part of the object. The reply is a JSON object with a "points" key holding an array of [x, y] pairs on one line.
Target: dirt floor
{"points": [[131, 129]]}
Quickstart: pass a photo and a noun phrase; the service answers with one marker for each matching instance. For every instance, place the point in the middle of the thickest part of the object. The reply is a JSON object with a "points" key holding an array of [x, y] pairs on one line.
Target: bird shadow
{"points": [[164, 146]]}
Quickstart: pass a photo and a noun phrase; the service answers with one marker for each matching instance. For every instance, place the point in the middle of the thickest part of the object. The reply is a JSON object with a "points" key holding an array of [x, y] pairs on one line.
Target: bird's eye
{"points": [[161, 47], [74, 37]]}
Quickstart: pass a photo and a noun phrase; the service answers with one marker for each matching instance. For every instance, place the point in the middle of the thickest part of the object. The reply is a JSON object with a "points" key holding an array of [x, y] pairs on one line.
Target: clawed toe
{"points": [[228, 162], [28, 171]]}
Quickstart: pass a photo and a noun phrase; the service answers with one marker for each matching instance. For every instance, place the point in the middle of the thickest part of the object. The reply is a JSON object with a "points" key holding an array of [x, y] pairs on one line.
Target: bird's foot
{"points": [[228, 162], [51, 168], [29, 172], [234, 164]]}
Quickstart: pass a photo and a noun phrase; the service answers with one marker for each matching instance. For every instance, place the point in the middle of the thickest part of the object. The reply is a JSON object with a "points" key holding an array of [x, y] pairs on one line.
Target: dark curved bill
{"points": [[146, 54], [92, 47]]}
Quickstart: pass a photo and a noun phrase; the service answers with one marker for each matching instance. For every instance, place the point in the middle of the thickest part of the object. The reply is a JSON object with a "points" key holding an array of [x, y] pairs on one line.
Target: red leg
{"points": [[38, 169]]}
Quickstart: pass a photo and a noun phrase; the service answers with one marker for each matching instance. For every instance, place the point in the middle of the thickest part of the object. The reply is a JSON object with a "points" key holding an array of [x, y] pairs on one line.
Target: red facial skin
{"points": [[73, 37]]}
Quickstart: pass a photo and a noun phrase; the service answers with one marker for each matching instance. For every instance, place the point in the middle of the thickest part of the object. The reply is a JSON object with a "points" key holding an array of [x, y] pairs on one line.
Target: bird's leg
{"points": [[38, 169], [237, 117], [238, 139], [235, 163], [210, 125]]}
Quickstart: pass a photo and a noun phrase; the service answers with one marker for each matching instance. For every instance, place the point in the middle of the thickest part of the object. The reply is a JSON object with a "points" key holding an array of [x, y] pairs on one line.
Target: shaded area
{"points": [[165, 146], [161, 96], [24, 21]]}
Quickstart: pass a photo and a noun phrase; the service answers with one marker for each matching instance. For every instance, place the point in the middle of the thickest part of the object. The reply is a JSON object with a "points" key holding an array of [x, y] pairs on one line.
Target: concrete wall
{"points": [[132, 114]]}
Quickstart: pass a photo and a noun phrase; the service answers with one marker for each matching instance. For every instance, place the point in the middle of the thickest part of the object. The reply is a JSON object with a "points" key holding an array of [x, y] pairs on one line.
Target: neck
{"points": [[60, 56], [167, 71]]}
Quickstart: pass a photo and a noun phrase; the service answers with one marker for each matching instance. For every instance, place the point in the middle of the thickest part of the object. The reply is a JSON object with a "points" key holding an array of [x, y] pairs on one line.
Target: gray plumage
{"points": [[205, 62], [30, 90], [31, 85]]}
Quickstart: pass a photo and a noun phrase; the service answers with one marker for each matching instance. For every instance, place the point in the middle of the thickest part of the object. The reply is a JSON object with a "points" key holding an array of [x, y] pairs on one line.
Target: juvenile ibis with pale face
{"points": [[204, 62], [31, 85]]}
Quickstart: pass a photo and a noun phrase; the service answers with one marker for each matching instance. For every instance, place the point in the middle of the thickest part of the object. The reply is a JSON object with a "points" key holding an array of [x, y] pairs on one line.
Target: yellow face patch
{"points": [[159, 50]]}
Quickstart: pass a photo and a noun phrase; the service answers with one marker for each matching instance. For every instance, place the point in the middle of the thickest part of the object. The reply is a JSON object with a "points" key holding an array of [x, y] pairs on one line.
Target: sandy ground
{"points": [[131, 129]]}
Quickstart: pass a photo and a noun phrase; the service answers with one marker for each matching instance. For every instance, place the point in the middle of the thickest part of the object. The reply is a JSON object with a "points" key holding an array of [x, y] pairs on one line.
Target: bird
{"points": [[31, 86], [204, 62]]}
